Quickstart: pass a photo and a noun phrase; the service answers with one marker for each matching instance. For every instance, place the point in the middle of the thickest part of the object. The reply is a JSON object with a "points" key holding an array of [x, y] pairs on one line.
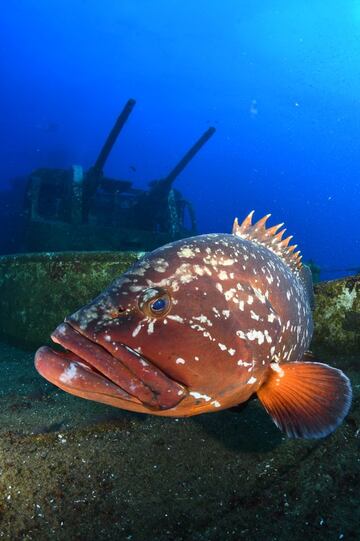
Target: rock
{"points": [[38, 290], [337, 315]]}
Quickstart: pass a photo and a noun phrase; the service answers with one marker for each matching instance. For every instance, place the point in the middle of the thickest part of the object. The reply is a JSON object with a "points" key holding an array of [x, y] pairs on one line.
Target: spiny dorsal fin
{"points": [[269, 238]]}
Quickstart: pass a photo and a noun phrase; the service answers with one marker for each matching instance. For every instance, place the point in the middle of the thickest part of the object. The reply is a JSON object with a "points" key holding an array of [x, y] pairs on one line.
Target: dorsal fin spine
{"points": [[270, 238], [272, 230]]}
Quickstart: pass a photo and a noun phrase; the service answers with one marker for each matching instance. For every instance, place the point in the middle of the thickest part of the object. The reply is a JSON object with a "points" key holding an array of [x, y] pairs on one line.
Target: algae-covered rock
{"points": [[38, 290], [337, 315]]}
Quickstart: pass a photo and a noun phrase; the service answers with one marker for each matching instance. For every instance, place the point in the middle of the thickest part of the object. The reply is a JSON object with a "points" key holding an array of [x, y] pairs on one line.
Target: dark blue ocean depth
{"points": [[278, 79]]}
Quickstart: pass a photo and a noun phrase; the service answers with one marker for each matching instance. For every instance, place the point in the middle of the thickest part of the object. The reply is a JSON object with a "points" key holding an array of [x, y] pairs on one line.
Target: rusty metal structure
{"points": [[85, 210]]}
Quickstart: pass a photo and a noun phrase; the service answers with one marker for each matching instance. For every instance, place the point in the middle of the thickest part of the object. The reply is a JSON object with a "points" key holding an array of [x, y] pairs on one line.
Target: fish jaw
{"points": [[128, 381], [88, 370], [76, 378]]}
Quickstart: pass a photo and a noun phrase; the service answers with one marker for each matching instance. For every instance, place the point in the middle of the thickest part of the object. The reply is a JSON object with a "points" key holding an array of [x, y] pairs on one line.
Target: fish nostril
{"points": [[116, 312]]}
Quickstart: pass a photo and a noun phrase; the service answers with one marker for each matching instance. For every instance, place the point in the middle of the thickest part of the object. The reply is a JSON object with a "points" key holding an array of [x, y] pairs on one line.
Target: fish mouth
{"points": [[122, 378]]}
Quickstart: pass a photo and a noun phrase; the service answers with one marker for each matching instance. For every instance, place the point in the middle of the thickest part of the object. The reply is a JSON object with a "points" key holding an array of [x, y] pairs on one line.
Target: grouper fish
{"points": [[200, 325]]}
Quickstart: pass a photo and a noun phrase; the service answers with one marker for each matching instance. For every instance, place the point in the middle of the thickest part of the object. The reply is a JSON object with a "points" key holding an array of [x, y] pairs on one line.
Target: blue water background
{"points": [[280, 80]]}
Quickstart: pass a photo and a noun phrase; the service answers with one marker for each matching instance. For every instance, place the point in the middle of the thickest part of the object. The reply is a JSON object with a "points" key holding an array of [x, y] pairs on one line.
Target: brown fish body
{"points": [[196, 326]]}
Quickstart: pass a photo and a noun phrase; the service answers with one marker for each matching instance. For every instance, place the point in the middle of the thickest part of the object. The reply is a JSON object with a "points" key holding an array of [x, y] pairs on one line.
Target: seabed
{"points": [[74, 469]]}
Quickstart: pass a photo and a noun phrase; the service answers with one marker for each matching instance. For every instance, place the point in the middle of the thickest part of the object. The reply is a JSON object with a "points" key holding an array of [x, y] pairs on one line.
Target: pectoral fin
{"points": [[306, 399]]}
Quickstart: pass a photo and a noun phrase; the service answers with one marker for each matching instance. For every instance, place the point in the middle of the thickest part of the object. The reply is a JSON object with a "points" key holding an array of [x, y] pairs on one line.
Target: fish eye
{"points": [[159, 305], [155, 302]]}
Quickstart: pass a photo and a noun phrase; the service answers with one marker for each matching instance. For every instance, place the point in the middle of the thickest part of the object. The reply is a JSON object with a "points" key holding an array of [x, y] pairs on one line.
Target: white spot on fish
{"points": [[254, 334], [136, 330], [216, 404], [260, 296], [267, 336], [243, 363], [199, 270], [179, 360], [226, 262], [277, 368], [150, 329], [229, 294], [139, 271], [198, 396], [186, 252], [149, 293], [69, 373], [135, 289], [177, 318], [62, 329], [203, 319], [186, 278]]}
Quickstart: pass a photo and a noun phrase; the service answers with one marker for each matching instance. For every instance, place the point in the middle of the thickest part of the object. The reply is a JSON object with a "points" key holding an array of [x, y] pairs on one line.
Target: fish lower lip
{"points": [[76, 376], [129, 371]]}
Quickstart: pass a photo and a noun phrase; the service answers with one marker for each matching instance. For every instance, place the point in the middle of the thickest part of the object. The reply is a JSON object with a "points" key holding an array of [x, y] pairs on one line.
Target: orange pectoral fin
{"points": [[306, 399]]}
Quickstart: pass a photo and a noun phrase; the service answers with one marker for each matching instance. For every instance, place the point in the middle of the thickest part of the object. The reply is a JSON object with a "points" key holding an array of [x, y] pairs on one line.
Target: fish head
{"points": [[167, 333]]}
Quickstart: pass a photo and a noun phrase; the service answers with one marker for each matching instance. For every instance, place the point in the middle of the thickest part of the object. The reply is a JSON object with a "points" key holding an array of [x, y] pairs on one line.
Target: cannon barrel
{"points": [[167, 181], [153, 205], [94, 174], [113, 135]]}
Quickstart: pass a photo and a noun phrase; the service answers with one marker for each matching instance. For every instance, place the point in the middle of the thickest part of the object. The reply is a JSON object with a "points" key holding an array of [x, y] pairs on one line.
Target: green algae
{"points": [[38, 290], [337, 315]]}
